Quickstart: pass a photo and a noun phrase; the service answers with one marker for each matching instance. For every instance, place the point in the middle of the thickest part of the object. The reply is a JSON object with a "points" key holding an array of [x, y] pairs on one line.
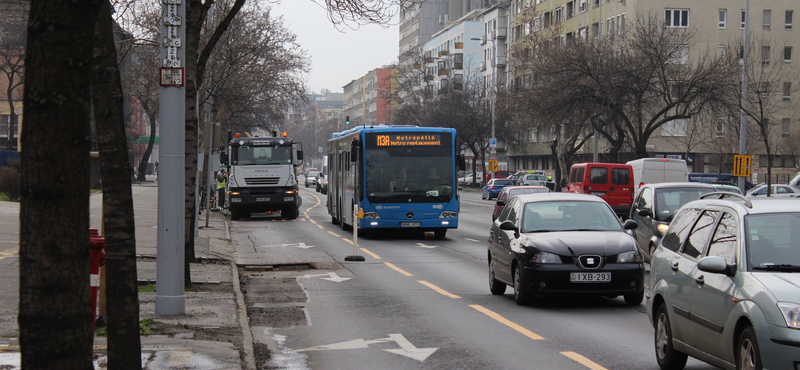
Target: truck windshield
{"points": [[246, 155]]}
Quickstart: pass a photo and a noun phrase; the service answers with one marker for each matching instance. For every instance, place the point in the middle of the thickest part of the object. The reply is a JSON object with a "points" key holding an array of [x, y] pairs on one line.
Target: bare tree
{"points": [[54, 305], [124, 344], [12, 58], [769, 83]]}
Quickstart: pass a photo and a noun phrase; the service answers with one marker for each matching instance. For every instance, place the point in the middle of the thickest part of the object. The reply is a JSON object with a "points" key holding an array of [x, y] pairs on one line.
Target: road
{"points": [[422, 303]]}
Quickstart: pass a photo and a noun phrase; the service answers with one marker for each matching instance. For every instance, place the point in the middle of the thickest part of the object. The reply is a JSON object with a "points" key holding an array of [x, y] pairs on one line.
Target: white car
{"points": [[778, 190], [311, 178]]}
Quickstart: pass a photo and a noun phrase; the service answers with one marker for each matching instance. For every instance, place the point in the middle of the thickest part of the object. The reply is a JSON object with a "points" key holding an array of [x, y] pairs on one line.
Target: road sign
{"points": [[492, 165], [493, 142], [742, 165]]}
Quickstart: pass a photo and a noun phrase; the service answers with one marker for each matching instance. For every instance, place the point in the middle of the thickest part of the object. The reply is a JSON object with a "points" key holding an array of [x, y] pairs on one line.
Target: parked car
{"points": [[533, 180], [510, 191], [517, 175], [562, 243], [778, 190], [725, 285], [465, 178], [311, 178], [611, 181], [500, 174], [654, 207], [492, 188]]}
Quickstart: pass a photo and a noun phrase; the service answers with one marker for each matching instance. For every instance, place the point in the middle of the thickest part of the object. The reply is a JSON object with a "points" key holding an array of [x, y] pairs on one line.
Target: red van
{"points": [[611, 181]]}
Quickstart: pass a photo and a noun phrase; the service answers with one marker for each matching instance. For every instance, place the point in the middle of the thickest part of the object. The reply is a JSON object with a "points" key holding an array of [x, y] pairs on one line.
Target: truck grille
{"points": [[261, 180]]}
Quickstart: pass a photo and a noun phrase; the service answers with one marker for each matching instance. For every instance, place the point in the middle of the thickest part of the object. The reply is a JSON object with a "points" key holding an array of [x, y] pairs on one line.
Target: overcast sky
{"points": [[336, 57]]}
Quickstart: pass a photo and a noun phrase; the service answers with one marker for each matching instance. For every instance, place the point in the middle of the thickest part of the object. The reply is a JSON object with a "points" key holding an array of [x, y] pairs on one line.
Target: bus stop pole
{"points": [[355, 256]]}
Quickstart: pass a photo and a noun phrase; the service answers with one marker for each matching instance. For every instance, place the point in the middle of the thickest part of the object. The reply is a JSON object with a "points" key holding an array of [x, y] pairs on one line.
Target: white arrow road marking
{"points": [[423, 245], [406, 349], [409, 350], [331, 276], [295, 245]]}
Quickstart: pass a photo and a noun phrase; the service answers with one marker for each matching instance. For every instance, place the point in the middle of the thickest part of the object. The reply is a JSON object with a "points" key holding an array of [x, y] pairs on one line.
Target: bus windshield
{"points": [[403, 174], [259, 155]]}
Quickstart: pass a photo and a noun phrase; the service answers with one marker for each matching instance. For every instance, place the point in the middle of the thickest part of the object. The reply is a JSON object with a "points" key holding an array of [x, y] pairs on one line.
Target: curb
{"points": [[244, 321]]}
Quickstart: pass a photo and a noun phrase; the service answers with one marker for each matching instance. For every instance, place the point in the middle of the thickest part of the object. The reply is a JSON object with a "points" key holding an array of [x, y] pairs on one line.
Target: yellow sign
{"points": [[742, 165], [492, 165]]}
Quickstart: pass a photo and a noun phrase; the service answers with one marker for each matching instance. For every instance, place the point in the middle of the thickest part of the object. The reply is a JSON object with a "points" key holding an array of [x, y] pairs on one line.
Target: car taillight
{"points": [[493, 187]]}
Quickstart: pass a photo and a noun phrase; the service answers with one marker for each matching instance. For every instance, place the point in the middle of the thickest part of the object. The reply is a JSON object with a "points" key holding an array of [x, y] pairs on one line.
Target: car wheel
{"points": [[495, 286], [747, 356], [667, 356], [634, 299], [483, 195], [522, 297]]}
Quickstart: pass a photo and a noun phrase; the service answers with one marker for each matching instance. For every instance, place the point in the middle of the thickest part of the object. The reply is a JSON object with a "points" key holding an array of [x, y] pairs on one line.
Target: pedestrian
{"points": [[221, 184]]}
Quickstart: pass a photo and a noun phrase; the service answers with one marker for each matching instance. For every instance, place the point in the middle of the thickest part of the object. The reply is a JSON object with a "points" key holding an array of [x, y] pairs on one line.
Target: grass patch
{"points": [[150, 288], [144, 328], [4, 197]]}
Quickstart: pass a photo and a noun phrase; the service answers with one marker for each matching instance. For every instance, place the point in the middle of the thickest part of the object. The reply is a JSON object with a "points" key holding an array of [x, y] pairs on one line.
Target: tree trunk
{"points": [[124, 344], [146, 156], [54, 306]]}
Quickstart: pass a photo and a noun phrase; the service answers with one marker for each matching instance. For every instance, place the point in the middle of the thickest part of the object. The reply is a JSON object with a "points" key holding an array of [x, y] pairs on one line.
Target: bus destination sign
{"points": [[409, 139]]}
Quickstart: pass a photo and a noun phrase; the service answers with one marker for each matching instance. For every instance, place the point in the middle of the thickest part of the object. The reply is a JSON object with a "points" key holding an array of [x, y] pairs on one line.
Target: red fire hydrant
{"points": [[97, 258]]}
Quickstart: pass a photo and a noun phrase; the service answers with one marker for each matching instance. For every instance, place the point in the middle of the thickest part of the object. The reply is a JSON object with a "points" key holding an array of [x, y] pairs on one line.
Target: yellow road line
{"points": [[347, 240], [583, 360], [373, 255], [506, 322], [438, 290], [393, 267], [334, 234], [321, 227]]}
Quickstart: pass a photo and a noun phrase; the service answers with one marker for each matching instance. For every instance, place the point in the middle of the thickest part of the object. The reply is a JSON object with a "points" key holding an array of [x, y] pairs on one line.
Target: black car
{"points": [[655, 205], [563, 243]]}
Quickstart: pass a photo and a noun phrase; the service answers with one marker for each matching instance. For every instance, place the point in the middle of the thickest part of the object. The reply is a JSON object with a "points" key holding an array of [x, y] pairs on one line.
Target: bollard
{"points": [[97, 258]]}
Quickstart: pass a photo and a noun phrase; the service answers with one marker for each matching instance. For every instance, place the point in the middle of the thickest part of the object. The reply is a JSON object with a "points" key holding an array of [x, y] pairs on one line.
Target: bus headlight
{"points": [[448, 214], [371, 215]]}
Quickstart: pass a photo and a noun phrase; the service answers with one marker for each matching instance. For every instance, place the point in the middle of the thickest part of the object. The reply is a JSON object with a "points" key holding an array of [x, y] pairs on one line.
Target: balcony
{"points": [[429, 60], [500, 61], [444, 52], [444, 72], [500, 33], [428, 78], [417, 66], [483, 66], [459, 45]]}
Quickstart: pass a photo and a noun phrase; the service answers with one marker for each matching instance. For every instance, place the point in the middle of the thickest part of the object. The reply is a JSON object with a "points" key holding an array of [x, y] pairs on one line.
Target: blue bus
{"points": [[399, 176]]}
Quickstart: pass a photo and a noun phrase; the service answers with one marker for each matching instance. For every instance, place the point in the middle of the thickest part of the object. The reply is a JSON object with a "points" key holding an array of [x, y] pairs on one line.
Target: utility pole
{"points": [[170, 297], [596, 154], [743, 122]]}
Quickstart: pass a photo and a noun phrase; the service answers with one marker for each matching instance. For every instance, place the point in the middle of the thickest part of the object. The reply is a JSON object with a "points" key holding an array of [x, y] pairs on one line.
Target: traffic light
{"points": [[347, 120]]}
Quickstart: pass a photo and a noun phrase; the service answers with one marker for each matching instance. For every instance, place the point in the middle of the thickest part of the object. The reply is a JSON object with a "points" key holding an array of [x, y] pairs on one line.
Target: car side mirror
{"points": [[509, 225], [715, 265], [630, 225], [501, 203], [645, 212]]}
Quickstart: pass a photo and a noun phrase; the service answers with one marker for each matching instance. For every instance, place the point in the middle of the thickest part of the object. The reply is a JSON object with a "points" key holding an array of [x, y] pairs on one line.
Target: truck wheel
{"points": [[235, 214], [290, 213]]}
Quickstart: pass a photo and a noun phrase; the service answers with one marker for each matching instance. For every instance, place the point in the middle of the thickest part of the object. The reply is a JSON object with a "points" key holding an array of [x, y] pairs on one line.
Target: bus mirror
{"points": [[355, 149], [462, 162]]}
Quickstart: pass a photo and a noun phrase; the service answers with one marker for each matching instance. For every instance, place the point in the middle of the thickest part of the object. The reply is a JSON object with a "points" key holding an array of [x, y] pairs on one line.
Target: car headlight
{"points": [[545, 257], [629, 256], [448, 214], [662, 228], [791, 313], [371, 215]]}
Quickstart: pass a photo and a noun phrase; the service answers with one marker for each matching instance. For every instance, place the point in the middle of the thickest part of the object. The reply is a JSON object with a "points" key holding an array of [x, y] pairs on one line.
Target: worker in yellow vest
{"points": [[222, 182]]}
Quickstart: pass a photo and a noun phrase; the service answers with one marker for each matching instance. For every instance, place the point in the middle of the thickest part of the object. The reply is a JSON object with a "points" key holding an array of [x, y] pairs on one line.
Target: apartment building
{"points": [[367, 99], [718, 24]]}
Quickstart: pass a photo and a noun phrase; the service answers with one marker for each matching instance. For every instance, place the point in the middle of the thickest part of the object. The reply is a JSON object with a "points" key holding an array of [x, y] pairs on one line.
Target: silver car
{"points": [[778, 190], [725, 284]]}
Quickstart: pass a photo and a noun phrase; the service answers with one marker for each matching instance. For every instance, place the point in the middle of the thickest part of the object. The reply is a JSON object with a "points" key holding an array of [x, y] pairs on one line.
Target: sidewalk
{"points": [[213, 333]]}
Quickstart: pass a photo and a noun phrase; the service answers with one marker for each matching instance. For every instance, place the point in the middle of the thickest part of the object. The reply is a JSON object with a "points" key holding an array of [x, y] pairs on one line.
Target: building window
{"points": [[763, 89], [782, 161], [789, 14], [723, 18], [765, 54], [680, 55], [720, 127], [787, 55], [676, 18], [785, 125], [743, 20], [675, 128], [767, 19], [787, 91], [722, 51]]}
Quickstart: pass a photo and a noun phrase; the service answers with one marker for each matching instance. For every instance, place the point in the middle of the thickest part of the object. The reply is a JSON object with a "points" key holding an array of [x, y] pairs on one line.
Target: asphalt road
{"points": [[417, 302]]}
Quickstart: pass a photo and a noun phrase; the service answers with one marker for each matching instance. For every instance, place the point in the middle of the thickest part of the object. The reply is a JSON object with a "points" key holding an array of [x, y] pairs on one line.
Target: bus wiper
{"points": [[779, 267], [397, 197]]}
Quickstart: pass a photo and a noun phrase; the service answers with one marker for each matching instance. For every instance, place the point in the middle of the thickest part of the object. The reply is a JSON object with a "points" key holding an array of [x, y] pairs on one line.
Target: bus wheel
{"points": [[334, 220], [440, 233]]}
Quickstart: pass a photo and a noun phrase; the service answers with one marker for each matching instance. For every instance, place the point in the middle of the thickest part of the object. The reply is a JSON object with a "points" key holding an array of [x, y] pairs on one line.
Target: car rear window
{"points": [[620, 176], [313, 174], [598, 175], [502, 182]]}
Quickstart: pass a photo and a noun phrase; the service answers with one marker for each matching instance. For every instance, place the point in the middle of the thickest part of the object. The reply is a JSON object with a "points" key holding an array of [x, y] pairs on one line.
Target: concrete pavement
{"points": [[212, 334]]}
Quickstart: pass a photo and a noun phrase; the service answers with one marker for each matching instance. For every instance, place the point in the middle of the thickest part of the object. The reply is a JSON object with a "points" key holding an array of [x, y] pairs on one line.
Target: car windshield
{"points": [[773, 241], [569, 216], [313, 174], [671, 199]]}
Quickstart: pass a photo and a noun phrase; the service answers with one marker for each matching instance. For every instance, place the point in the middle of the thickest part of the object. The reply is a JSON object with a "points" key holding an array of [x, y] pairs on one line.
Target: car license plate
{"points": [[262, 199], [590, 277], [410, 224], [599, 193]]}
